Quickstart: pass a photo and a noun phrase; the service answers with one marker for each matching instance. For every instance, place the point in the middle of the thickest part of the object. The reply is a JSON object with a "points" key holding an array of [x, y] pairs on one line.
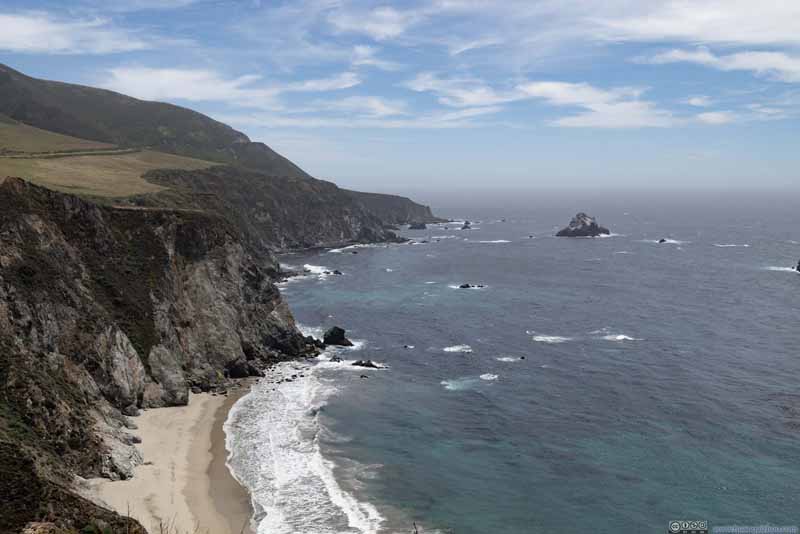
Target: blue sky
{"points": [[436, 94]]}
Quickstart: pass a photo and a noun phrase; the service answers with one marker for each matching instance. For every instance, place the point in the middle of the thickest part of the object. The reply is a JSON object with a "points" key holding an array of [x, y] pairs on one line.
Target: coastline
{"points": [[184, 486]]}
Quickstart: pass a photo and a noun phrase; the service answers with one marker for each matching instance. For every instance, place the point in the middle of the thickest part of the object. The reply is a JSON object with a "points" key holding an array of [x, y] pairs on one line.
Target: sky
{"points": [[456, 94]]}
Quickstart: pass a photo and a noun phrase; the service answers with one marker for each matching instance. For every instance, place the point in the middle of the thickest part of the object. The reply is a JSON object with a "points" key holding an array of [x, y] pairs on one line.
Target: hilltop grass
{"points": [[17, 137], [98, 175]]}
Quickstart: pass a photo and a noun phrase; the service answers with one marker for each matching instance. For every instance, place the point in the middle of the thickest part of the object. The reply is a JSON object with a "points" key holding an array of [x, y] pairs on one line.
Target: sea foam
{"points": [[272, 436], [551, 339], [458, 348]]}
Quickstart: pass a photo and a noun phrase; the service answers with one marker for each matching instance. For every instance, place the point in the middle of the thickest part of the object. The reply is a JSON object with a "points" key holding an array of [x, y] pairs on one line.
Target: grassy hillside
{"points": [[109, 117], [18, 137], [98, 175]]}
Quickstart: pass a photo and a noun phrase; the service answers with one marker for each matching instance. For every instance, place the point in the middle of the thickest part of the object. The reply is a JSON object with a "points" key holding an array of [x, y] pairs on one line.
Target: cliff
{"points": [[394, 209], [104, 311], [273, 213]]}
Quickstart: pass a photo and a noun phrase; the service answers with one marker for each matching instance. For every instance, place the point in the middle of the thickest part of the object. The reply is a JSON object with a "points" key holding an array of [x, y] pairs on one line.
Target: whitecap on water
{"points": [[731, 245], [496, 241], [507, 359], [620, 337], [551, 339], [459, 384], [458, 348], [489, 376], [782, 269]]}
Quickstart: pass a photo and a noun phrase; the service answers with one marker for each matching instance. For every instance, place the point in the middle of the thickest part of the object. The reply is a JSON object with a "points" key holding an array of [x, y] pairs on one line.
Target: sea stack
{"points": [[336, 336], [583, 225]]}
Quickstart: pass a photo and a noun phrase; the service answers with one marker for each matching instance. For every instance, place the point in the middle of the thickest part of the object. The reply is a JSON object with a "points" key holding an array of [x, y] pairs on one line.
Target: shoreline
{"points": [[184, 485]]}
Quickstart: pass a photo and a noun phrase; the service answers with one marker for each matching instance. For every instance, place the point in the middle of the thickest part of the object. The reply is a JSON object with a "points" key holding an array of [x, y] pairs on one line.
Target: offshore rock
{"points": [[336, 336], [583, 225]]}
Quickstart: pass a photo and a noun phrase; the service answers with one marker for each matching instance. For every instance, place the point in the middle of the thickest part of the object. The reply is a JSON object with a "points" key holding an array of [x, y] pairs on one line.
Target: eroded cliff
{"points": [[104, 311]]}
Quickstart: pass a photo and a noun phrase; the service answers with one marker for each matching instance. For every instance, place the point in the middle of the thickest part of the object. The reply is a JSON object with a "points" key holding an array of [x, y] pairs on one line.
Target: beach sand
{"points": [[184, 486]]}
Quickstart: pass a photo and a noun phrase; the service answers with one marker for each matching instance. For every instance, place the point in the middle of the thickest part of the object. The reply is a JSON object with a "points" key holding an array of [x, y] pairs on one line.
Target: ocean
{"points": [[593, 385]]}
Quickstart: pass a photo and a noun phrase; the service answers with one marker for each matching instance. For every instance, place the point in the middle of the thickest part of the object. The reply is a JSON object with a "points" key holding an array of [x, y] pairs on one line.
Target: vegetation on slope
{"points": [[99, 174], [16, 137]]}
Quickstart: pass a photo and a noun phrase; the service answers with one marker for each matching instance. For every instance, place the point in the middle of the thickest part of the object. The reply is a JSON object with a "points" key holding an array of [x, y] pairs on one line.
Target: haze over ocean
{"points": [[658, 380]]}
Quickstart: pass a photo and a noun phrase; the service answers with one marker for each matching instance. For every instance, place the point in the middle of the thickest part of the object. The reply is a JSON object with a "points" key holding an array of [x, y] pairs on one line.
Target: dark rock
{"points": [[798, 267], [336, 359], [464, 286], [335, 336], [522, 357], [338, 272], [353, 252], [662, 240], [130, 411], [366, 363], [471, 286], [417, 226], [364, 376], [583, 225], [467, 225]]}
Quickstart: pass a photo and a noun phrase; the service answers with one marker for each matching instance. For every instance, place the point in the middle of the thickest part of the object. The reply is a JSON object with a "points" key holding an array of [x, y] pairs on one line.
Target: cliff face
{"points": [[104, 311], [274, 214], [395, 209]]}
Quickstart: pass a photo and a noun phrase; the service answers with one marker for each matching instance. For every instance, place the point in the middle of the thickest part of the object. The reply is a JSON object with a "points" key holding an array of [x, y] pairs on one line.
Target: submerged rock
{"points": [[336, 359], [662, 241], [583, 225], [336, 336], [366, 363], [470, 286], [467, 225], [418, 226]]}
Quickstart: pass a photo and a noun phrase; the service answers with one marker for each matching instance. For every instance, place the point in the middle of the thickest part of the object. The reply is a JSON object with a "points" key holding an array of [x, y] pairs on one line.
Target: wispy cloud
{"points": [[700, 101], [380, 23], [774, 65], [367, 56], [197, 85], [41, 33], [460, 92], [615, 108], [716, 117]]}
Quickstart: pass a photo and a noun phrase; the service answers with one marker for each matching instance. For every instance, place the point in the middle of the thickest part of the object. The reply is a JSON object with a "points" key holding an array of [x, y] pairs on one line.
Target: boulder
{"points": [[336, 359], [367, 363], [467, 225], [662, 241], [583, 225], [335, 336]]}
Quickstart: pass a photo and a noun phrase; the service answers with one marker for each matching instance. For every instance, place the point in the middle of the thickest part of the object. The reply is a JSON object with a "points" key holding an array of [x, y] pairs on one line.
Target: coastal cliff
{"points": [[104, 311], [154, 280]]}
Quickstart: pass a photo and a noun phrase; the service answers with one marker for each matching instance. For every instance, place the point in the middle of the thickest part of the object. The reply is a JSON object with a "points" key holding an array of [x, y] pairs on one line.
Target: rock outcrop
{"points": [[583, 225], [336, 336], [418, 226]]}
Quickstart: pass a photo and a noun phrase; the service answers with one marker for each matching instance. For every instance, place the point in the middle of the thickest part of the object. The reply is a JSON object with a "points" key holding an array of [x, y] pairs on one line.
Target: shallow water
{"points": [[604, 385]]}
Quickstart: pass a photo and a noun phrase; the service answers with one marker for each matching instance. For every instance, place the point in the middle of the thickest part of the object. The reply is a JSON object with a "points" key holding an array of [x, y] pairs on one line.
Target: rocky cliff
{"points": [[104, 311], [395, 209], [272, 213]]}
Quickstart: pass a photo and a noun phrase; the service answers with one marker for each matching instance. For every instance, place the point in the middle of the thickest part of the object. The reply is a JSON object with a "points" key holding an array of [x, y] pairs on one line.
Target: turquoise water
{"points": [[658, 382]]}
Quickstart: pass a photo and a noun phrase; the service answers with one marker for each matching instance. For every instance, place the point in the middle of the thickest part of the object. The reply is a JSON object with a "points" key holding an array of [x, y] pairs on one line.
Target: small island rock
{"points": [[335, 336], [583, 225]]}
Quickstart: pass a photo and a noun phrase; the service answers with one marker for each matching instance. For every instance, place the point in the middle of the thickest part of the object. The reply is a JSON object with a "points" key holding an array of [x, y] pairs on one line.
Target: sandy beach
{"points": [[184, 485]]}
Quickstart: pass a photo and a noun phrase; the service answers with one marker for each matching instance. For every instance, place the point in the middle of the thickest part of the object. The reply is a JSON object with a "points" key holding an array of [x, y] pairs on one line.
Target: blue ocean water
{"points": [[594, 385]]}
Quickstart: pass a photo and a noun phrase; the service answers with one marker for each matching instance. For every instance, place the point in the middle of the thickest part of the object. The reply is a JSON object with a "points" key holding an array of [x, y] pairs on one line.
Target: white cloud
{"points": [[380, 23], [460, 92], [700, 101], [197, 85], [371, 106], [616, 108], [716, 117], [36, 32], [367, 56], [774, 65], [344, 80], [725, 22]]}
